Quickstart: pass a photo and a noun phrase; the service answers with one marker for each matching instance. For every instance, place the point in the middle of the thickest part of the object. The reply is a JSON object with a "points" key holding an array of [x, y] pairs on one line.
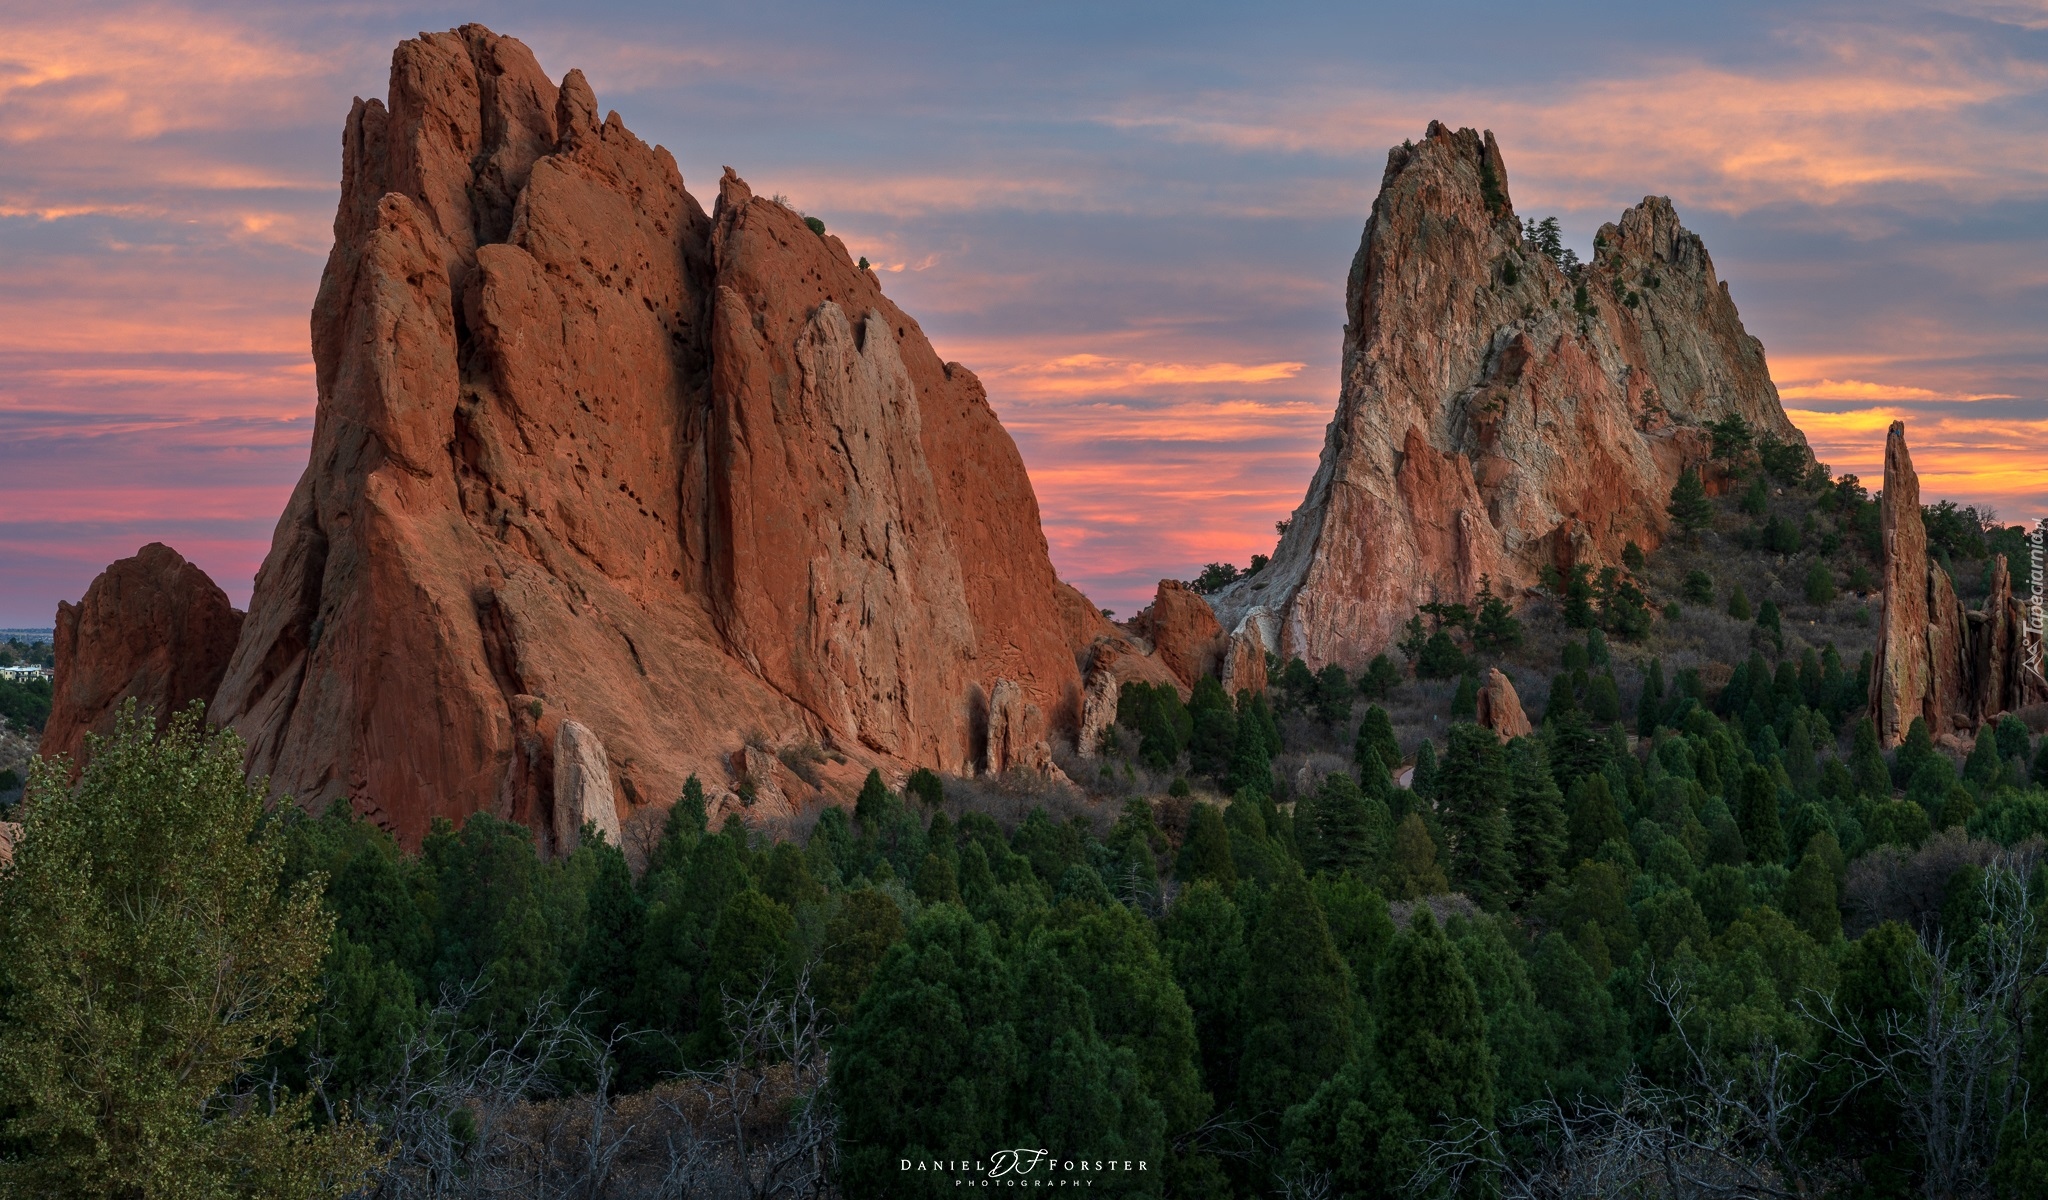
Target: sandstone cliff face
{"points": [[1489, 420], [679, 476], [1183, 631], [152, 628], [1935, 659]]}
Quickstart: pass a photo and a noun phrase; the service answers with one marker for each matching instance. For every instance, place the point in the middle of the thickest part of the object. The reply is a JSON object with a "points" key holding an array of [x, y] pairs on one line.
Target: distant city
{"points": [[45, 634]]}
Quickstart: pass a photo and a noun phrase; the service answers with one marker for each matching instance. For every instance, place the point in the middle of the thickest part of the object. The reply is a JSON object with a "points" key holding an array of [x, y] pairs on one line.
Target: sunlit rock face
{"points": [[1497, 414], [1937, 660], [153, 629], [587, 453]]}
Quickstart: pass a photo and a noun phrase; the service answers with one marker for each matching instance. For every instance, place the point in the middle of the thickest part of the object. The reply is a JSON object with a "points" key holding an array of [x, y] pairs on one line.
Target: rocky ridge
{"points": [[1497, 414], [606, 490], [1935, 659]]}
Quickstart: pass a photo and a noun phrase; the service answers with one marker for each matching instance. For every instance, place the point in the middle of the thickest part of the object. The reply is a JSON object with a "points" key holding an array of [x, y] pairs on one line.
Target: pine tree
{"points": [[858, 935], [1351, 829], [1913, 753], [1984, 765], [1472, 794], [1297, 1002], [1767, 617], [614, 915], [937, 881], [1377, 732], [1412, 870], [1375, 780], [1380, 679], [1251, 768], [1594, 820], [1650, 706], [1203, 940], [1465, 701], [1205, 853], [1738, 604], [686, 823], [1866, 763], [1431, 1033], [1214, 743], [1811, 899], [1689, 504], [1536, 818], [2039, 774], [1757, 816], [1423, 782], [930, 790], [871, 807]]}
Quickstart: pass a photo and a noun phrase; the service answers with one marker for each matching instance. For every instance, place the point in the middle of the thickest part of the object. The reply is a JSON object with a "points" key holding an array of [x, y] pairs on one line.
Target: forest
{"points": [[1696, 936]]}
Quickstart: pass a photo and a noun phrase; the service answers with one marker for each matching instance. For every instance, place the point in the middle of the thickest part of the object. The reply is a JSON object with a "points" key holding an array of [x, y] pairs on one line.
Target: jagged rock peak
{"points": [[1497, 413], [588, 455], [1936, 660]]}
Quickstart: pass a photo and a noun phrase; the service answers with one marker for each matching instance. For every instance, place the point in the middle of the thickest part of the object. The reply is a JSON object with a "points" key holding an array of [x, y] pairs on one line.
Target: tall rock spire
{"points": [[1498, 412]]}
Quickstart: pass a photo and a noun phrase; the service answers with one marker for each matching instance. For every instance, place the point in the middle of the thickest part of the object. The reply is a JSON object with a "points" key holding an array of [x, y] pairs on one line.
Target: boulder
{"points": [[1098, 709], [152, 628], [1244, 659], [1016, 734], [688, 476], [582, 788], [1500, 709], [1496, 413], [1183, 631]]}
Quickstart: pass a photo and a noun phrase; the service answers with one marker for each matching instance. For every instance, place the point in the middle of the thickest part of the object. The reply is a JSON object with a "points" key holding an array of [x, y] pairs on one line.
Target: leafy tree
{"points": [[150, 957], [1297, 1001], [1689, 504], [1472, 796]]}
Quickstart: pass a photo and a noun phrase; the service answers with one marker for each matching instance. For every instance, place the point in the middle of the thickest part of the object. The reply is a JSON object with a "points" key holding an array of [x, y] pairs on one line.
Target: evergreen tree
{"points": [[1689, 504], [1913, 753], [1380, 679], [856, 938], [1472, 795], [1074, 1089], [871, 807], [928, 788], [1594, 821], [1375, 781], [1203, 940], [1536, 818], [1465, 701], [1412, 870], [1494, 627], [1738, 604], [614, 915], [1603, 698], [1352, 830], [1757, 816], [686, 823], [1820, 583], [1423, 782], [1431, 1032], [1205, 852], [1377, 732], [1650, 706], [1251, 767], [1214, 742], [1297, 1002], [2039, 774], [1767, 618], [1866, 763], [150, 954], [930, 1059], [1811, 899], [937, 881], [1575, 750], [1984, 766]]}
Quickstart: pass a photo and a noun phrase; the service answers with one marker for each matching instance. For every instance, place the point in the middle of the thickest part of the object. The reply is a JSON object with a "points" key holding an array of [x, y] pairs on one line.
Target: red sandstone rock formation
{"points": [[1183, 631], [1935, 659], [678, 476], [1494, 416], [1500, 709], [152, 628]]}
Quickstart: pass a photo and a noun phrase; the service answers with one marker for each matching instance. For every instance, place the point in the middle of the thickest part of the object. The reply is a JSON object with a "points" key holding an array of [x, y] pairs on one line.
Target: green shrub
{"points": [[1698, 587], [1820, 583], [817, 226]]}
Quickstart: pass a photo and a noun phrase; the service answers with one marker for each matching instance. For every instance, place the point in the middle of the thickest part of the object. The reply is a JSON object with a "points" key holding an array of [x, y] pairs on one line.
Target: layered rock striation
{"points": [[1936, 660], [1497, 413], [675, 479], [153, 629]]}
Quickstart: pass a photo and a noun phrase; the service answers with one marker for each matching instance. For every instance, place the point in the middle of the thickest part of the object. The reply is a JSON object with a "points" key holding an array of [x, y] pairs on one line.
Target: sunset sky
{"points": [[1132, 220]]}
